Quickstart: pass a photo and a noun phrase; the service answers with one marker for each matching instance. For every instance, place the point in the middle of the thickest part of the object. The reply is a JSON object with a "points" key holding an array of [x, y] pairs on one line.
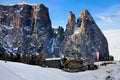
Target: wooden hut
{"points": [[53, 62]]}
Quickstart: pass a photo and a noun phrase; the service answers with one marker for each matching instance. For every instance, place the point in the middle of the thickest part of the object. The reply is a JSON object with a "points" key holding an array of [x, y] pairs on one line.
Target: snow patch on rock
{"points": [[22, 3], [53, 43]]}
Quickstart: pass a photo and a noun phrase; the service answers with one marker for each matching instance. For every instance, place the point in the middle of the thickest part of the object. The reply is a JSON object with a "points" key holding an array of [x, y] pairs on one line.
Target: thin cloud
{"points": [[107, 19], [118, 13]]}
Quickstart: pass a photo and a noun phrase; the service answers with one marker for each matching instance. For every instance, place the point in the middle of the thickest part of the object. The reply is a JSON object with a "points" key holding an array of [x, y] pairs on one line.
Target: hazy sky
{"points": [[105, 12]]}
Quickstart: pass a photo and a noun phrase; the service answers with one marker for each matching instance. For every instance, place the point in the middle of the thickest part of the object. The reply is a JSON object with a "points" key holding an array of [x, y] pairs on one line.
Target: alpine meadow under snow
{"points": [[20, 71]]}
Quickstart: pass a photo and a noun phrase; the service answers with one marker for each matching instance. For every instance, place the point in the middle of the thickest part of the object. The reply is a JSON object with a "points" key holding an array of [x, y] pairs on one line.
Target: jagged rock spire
{"points": [[71, 19], [70, 23]]}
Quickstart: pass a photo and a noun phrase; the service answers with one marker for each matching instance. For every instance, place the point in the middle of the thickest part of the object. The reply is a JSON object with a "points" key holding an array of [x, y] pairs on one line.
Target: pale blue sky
{"points": [[105, 12]]}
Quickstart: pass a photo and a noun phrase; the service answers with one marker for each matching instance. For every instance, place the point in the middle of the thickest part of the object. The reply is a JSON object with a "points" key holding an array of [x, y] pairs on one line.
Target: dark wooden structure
{"points": [[78, 64], [71, 64], [53, 62]]}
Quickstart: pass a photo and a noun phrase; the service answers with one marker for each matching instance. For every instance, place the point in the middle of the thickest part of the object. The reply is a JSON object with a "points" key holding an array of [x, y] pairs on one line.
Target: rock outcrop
{"points": [[86, 40]]}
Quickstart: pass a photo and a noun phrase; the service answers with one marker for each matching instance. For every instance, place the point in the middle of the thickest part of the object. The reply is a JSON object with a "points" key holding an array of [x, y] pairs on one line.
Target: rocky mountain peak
{"points": [[71, 19], [70, 23], [85, 14], [85, 21]]}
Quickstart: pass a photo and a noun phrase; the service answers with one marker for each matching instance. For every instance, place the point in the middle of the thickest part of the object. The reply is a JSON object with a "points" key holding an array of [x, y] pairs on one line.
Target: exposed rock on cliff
{"points": [[58, 40], [25, 28]]}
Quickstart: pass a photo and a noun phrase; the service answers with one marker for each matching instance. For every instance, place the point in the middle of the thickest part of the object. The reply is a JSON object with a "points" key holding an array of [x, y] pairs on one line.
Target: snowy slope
{"points": [[113, 37], [19, 71]]}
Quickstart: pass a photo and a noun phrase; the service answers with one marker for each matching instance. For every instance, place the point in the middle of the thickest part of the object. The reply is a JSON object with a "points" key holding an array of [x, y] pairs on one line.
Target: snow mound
{"points": [[19, 71]]}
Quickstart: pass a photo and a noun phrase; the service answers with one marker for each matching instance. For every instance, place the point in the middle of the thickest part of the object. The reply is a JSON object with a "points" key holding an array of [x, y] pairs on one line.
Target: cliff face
{"points": [[86, 40], [26, 29], [58, 40]]}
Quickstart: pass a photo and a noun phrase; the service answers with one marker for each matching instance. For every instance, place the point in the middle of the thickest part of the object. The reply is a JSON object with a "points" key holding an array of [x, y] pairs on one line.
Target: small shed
{"points": [[53, 62]]}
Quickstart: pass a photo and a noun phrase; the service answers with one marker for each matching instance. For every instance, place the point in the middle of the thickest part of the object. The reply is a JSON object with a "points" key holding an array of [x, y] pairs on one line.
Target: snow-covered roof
{"points": [[53, 59]]}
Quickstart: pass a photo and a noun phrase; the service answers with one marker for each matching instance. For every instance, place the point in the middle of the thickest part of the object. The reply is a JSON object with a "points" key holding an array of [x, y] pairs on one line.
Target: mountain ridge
{"points": [[27, 29]]}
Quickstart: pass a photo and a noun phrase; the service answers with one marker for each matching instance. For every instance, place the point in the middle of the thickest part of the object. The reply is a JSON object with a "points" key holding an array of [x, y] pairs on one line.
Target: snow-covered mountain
{"points": [[113, 37], [19, 71]]}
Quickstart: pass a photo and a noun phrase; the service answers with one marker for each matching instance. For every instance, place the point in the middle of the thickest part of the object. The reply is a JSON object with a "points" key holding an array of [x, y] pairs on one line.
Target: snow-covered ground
{"points": [[113, 37], [20, 71]]}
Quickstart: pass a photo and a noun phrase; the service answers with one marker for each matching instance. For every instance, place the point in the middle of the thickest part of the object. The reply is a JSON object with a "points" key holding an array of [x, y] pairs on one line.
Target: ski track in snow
{"points": [[13, 73]]}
